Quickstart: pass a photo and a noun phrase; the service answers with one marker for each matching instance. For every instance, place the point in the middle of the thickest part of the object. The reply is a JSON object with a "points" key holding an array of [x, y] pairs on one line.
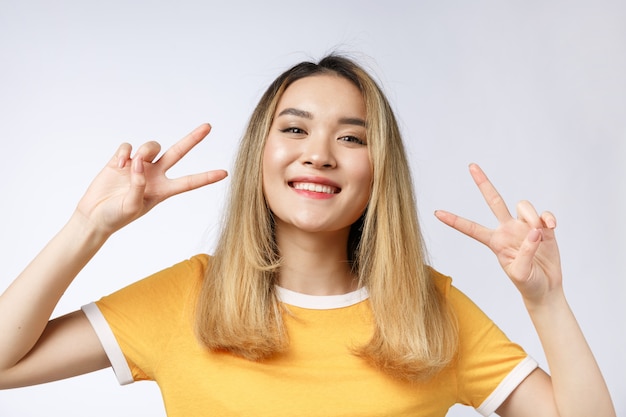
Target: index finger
{"points": [[183, 146], [490, 194]]}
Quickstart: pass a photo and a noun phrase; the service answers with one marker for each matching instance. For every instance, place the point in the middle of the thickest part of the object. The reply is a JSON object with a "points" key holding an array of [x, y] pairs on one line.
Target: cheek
{"points": [[362, 171], [275, 161], [274, 155], [269, 155]]}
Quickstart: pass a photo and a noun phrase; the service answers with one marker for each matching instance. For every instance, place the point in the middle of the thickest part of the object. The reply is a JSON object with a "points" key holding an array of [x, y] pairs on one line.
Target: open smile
{"points": [[315, 187]]}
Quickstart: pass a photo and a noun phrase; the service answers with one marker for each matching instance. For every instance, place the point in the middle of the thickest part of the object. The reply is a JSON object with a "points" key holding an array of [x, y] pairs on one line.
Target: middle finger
{"points": [[490, 194]]}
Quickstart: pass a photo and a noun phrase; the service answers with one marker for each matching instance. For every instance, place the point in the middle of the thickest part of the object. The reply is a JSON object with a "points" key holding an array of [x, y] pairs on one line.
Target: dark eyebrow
{"points": [[296, 112], [352, 121], [307, 115]]}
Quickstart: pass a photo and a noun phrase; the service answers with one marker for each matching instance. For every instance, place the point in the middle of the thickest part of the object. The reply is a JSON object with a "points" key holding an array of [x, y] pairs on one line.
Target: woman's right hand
{"points": [[128, 187], [33, 350]]}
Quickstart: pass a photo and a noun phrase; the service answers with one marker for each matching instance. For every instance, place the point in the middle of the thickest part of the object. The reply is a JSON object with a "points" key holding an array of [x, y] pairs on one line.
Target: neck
{"points": [[314, 263]]}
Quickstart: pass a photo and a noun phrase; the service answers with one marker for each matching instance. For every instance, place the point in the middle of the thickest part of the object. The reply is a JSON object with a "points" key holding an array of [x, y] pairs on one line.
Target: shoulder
{"points": [[469, 316], [183, 278], [174, 283], [186, 273], [443, 283], [454, 296]]}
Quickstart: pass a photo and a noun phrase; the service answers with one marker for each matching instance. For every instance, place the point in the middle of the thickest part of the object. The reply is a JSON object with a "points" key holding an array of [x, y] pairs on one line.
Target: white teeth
{"points": [[318, 188]]}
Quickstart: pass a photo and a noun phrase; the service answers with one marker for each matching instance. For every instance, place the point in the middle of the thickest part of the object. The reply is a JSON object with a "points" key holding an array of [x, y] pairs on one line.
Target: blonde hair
{"points": [[238, 310]]}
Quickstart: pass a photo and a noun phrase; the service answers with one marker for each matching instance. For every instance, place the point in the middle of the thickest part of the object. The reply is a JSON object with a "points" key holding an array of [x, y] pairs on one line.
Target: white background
{"points": [[534, 91]]}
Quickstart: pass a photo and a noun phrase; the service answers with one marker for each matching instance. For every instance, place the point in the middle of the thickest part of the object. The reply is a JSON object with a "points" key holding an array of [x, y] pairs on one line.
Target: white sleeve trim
{"points": [[506, 387], [109, 343]]}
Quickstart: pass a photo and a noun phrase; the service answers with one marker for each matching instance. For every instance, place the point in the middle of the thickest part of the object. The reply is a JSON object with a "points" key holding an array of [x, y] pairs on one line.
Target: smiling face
{"points": [[317, 172]]}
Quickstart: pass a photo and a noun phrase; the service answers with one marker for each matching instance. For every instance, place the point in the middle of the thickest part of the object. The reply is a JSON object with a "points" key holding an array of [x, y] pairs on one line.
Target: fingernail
{"points": [[535, 235], [138, 164]]}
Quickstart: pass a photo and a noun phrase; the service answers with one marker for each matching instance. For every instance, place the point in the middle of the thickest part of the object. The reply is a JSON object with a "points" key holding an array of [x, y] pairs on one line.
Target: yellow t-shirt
{"points": [[147, 331]]}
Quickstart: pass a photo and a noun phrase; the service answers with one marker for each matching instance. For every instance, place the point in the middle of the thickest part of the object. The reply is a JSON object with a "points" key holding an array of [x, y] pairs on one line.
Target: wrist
{"points": [[549, 304], [85, 231]]}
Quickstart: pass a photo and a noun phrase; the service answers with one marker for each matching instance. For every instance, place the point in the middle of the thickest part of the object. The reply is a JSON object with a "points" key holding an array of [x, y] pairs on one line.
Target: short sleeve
{"points": [[138, 321], [489, 366]]}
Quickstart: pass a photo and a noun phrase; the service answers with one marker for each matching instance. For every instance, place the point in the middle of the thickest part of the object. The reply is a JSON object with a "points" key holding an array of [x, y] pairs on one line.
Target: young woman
{"points": [[317, 301]]}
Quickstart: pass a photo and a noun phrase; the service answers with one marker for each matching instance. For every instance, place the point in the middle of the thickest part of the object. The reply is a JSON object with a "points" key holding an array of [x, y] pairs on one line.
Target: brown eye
{"points": [[294, 130], [352, 139]]}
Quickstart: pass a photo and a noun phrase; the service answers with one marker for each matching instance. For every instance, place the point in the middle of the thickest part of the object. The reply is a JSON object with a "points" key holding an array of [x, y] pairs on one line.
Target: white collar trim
{"points": [[321, 302]]}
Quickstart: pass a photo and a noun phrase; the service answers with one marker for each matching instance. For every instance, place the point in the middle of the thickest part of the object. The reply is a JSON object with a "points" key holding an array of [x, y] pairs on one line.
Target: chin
{"points": [[315, 227]]}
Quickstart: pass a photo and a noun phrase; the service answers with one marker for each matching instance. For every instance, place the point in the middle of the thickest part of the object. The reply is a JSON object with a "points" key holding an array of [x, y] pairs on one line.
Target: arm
{"points": [[33, 350], [527, 251]]}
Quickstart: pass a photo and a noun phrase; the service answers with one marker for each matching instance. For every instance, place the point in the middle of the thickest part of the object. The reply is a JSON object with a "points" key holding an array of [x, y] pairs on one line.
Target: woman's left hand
{"points": [[525, 247]]}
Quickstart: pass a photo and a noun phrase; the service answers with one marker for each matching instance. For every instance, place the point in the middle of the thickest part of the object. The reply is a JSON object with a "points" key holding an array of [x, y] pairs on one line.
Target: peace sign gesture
{"points": [[130, 185], [525, 246]]}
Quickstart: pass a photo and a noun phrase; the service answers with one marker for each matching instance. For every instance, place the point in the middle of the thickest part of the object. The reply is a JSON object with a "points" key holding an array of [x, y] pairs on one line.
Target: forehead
{"points": [[323, 92]]}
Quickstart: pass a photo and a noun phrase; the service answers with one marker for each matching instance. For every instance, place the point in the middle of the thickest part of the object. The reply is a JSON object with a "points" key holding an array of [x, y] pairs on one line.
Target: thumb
{"points": [[523, 263], [134, 201]]}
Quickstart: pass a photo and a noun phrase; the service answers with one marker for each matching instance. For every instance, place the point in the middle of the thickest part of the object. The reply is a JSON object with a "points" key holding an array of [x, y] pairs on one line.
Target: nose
{"points": [[317, 152]]}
